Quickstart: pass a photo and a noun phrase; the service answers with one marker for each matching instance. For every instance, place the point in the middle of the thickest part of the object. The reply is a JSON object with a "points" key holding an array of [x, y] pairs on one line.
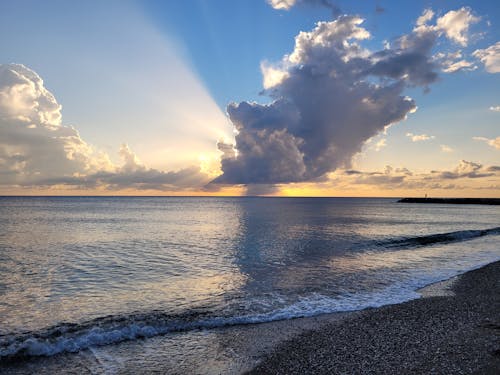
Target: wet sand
{"points": [[455, 329]]}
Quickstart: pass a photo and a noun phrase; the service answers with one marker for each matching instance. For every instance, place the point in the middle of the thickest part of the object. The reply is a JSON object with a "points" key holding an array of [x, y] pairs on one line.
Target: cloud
{"points": [[34, 144], [494, 142], [397, 178], [419, 137], [37, 150], [445, 148], [466, 174], [282, 4], [490, 57], [288, 4], [465, 169], [273, 75], [261, 189], [389, 177], [426, 17], [325, 105], [380, 144], [455, 24], [453, 62], [459, 65], [408, 60], [495, 108], [330, 95]]}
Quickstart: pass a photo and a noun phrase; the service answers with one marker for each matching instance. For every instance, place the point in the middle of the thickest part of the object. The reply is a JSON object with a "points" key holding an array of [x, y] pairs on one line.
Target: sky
{"points": [[256, 97]]}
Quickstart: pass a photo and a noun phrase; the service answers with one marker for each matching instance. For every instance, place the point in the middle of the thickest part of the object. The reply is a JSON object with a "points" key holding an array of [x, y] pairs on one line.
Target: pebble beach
{"points": [[452, 333]]}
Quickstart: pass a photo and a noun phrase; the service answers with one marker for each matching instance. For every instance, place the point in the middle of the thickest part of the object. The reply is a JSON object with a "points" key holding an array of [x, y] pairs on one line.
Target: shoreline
{"points": [[426, 330], [261, 348], [452, 328]]}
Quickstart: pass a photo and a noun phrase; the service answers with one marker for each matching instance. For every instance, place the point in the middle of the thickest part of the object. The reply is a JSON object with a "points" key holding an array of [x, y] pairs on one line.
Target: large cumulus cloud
{"points": [[36, 149], [33, 143], [330, 95], [324, 107]]}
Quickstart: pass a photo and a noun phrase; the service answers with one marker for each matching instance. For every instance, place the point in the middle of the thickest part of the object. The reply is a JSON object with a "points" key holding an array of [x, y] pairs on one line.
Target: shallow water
{"points": [[84, 274]]}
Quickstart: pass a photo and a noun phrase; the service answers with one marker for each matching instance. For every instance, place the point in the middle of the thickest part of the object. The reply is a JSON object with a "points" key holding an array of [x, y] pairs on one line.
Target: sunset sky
{"points": [[277, 97]]}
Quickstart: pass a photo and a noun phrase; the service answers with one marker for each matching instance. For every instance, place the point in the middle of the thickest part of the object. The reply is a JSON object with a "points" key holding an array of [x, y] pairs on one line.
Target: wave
{"points": [[418, 241], [73, 337], [112, 329]]}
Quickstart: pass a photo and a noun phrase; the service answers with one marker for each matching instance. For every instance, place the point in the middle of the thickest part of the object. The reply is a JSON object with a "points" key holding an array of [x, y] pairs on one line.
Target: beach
{"points": [[233, 285], [452, 333], [452, 329]]}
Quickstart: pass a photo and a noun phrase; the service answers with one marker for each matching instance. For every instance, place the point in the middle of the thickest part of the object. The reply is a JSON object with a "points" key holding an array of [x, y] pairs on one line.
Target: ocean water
{"points": [[95, 276]]}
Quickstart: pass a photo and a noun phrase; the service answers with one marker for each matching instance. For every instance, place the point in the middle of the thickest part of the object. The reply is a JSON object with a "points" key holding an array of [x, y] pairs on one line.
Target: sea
{"points": [[140, 284]]}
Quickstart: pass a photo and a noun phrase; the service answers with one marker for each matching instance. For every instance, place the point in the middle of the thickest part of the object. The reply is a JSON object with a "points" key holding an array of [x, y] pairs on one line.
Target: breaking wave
{"points": [[73, 337]]}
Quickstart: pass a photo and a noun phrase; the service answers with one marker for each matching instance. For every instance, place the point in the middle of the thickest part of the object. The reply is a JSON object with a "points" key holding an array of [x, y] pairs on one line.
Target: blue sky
{"points": [[228, 39], [158, 75]]}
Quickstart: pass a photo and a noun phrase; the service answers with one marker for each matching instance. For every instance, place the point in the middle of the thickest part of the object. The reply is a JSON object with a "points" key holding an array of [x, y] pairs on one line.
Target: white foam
{"points": [[138, 327]]}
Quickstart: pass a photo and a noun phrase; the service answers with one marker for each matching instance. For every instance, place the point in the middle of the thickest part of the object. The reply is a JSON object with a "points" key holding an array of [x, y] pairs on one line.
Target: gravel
{"points": [[457, 334]]}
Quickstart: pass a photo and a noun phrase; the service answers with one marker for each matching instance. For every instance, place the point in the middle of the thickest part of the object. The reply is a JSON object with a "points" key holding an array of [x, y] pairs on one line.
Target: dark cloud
{"points": [[287, 4], [403, 178], [261, 189], [325, 106], [350, 172], [466, 169], [408, 59], [331, 95], [392, 177], [147, 179]]}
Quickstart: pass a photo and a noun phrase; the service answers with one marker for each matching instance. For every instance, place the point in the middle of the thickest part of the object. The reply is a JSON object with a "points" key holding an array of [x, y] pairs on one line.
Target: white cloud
{"points": [[145, 88], [272, 75], [380, 144], [453, 62], [131, 162], [32, 135], [426, 16], [419, 137], [459, 65], [288, 4], [336, 40], [36, 149], [455, 24], [495, 108], [445, 148], [490, 57], [282, 4], [23, 97], [493, 142]]}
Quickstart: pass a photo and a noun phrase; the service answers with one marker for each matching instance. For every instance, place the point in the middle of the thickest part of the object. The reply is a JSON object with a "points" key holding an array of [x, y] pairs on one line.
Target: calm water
{"points": [[83, 273]]}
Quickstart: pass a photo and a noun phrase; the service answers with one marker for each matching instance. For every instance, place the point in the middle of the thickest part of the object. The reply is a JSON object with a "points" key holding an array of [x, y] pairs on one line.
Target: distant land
{"points": [[494, 201]]}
